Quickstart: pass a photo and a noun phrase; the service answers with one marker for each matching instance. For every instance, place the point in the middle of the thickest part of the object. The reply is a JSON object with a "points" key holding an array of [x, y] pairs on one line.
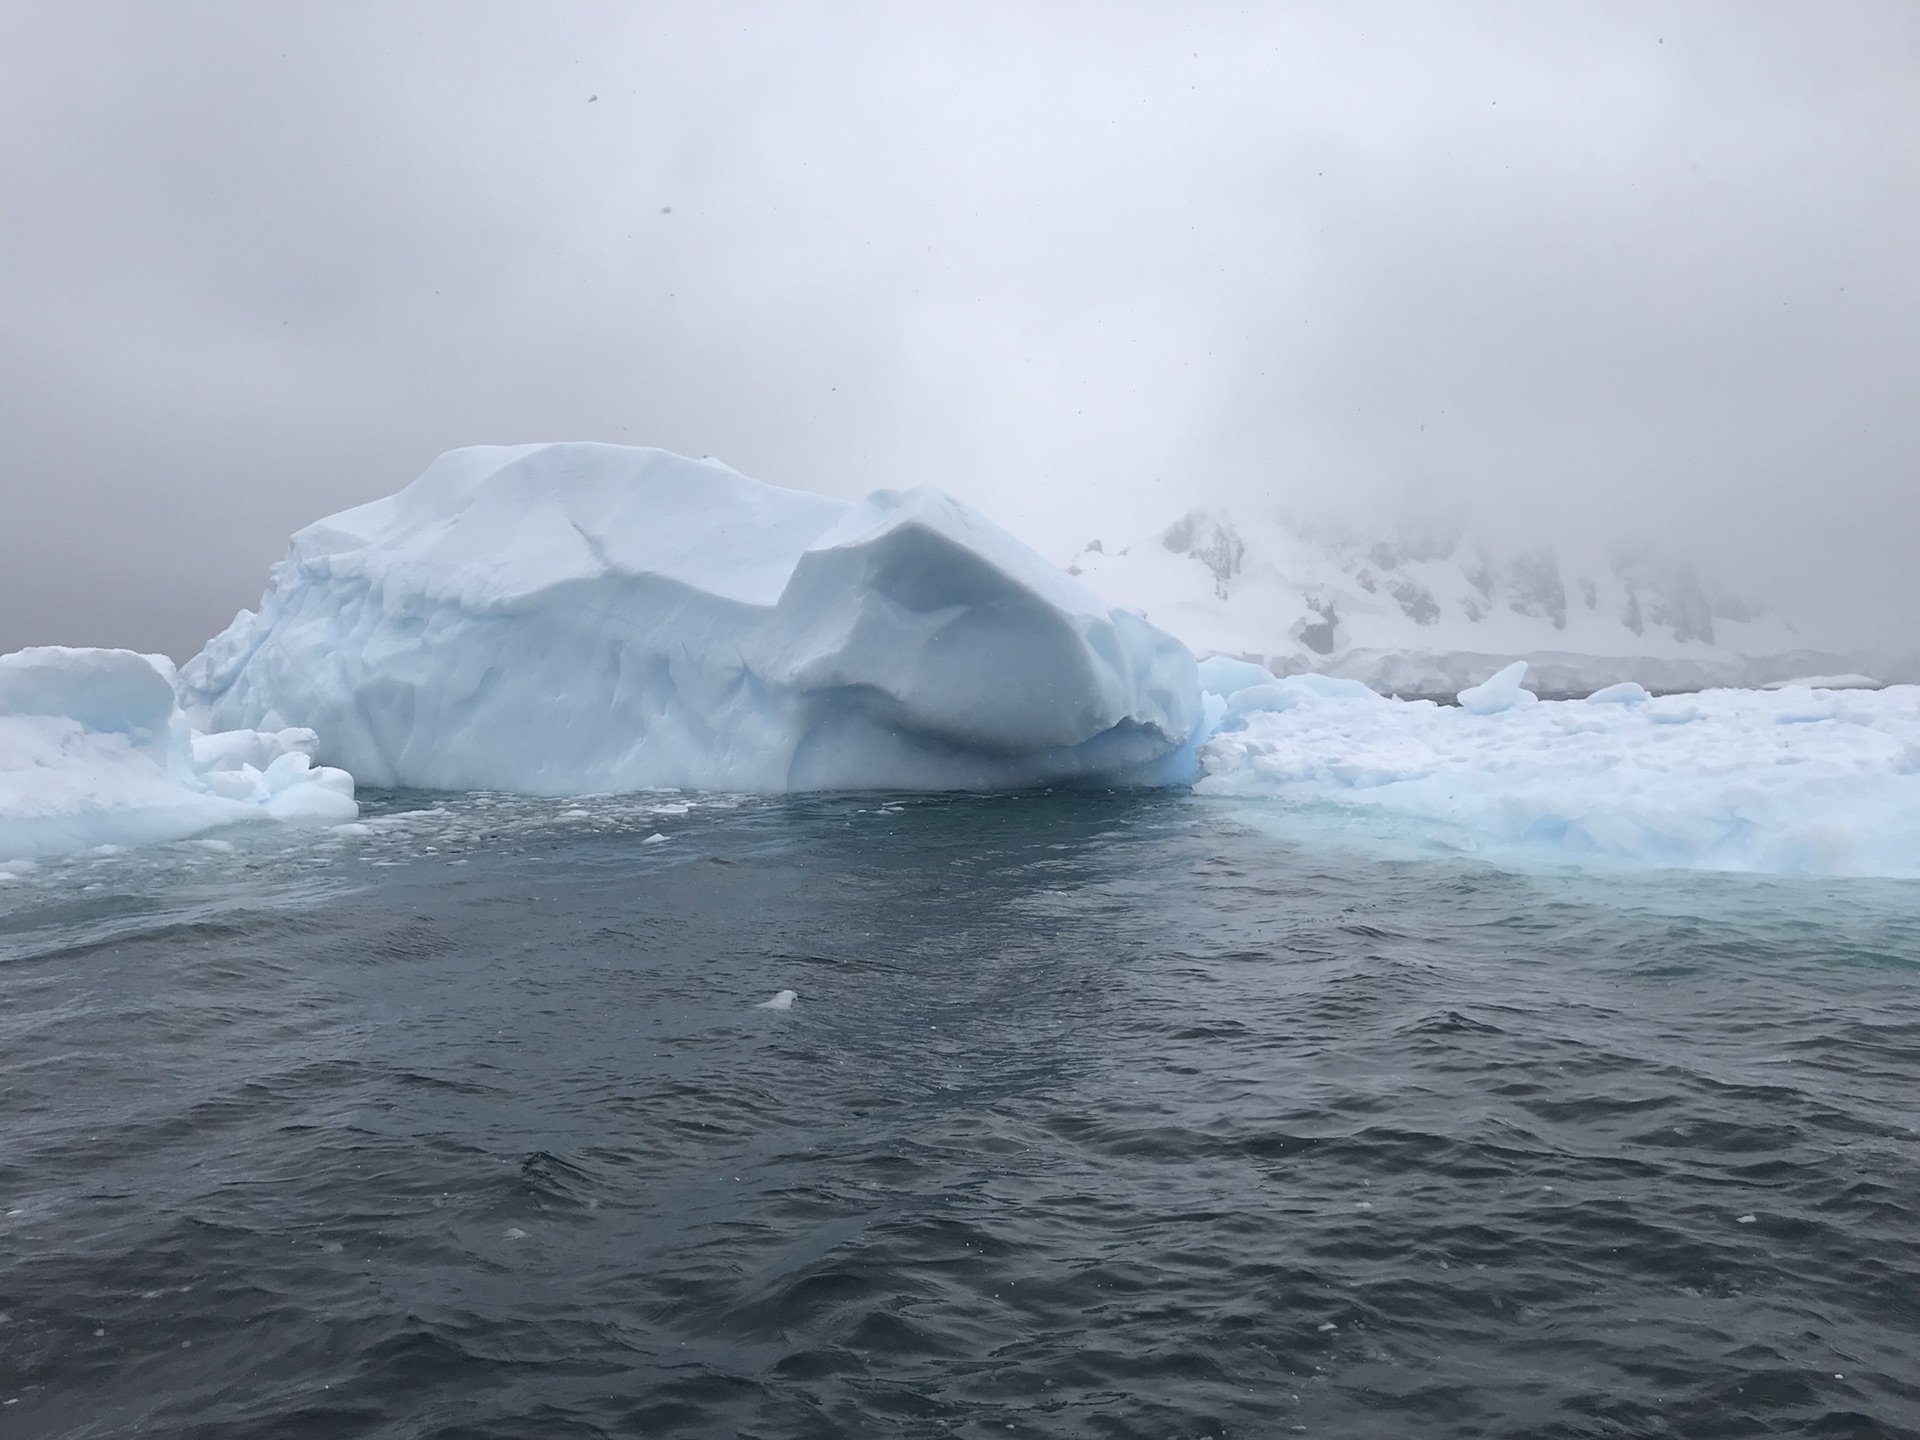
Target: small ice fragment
{"points": [[1329, 1326], [514, 1232], [1502, 692], [1744, 1220], [576, 815], [1363, 1204], [1627, 692], [219, 847], [781, 1001], [656, 838]]}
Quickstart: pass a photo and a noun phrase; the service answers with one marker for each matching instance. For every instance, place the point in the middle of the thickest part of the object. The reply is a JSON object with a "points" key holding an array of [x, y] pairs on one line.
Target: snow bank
{"points": [[95, 751], [1794, 780], [558, 619]]}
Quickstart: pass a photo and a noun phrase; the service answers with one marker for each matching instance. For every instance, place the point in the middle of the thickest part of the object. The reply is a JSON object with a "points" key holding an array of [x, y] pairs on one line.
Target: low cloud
{"points": [[1620, 270]]}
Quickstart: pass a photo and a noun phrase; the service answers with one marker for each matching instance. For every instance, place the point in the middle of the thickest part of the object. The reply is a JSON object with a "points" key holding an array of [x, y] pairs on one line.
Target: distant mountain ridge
{"points": [[1426, 610]]}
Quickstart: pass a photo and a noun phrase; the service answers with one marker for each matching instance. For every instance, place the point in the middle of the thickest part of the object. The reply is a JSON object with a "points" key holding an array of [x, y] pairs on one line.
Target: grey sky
{"points": [[1644, 271]]}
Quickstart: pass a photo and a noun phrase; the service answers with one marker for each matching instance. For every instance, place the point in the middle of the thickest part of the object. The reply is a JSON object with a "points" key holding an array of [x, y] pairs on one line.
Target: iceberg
{"points": [[580, 618], [94, 750], [1801, 779]]}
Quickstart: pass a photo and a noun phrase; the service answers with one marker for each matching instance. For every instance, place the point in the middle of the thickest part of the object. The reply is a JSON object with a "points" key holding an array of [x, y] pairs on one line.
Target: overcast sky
{"points": [[1643, 271]]}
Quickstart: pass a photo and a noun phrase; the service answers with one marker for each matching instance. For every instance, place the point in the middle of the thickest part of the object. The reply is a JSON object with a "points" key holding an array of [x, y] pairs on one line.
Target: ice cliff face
{"points": [[1431, 611], [568, 618]]}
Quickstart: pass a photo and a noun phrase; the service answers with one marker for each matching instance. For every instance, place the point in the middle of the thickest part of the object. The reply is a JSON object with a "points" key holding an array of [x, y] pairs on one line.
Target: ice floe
{"points": [[1798, 779]]}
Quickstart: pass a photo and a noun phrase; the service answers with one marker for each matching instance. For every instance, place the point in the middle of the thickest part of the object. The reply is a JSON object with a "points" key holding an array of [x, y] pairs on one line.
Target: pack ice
{"points": [[1799, 779], [95, 751], [574, 618]]}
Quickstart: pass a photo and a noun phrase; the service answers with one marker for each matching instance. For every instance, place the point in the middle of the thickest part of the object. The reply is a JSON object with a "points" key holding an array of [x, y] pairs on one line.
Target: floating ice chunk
{"points": [[1502, 692], [568, 619], [655, 839], [1224, 676], [782, 1000], [1627, 692], [95, 755]]}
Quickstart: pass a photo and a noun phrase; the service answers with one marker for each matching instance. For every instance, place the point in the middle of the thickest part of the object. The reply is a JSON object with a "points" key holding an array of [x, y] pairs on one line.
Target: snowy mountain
{"points": [[1426, 611]]}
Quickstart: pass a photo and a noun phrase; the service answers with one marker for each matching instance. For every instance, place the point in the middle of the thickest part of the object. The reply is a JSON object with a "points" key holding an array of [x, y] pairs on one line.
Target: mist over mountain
{"points": [[1428, 607]]}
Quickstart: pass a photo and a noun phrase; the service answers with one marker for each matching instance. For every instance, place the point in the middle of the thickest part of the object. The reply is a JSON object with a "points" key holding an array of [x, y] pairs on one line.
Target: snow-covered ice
{"points": [[95, 751], [573, 618], [1800, 779], [782, 1000]]}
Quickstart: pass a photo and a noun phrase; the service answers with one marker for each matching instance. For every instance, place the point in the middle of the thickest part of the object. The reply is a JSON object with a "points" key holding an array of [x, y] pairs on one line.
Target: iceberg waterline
{"points": [[566, 619]]}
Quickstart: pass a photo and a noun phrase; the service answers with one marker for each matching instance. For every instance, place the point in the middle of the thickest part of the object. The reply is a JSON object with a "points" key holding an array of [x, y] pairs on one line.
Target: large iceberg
{"points": [[1800, 779], [95, 751], [573, 618]]}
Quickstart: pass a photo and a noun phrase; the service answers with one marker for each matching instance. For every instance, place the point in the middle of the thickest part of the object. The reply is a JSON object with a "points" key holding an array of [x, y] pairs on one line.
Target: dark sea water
{"points": [[1097, 1115]]}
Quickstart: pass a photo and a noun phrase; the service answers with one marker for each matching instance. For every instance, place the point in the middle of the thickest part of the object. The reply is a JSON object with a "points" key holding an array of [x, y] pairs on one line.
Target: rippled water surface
{"points": [[1097, 1115]]}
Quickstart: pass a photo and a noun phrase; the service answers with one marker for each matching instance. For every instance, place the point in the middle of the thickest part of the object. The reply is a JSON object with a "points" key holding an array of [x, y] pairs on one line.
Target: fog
{"points": [[1645, 272]]}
